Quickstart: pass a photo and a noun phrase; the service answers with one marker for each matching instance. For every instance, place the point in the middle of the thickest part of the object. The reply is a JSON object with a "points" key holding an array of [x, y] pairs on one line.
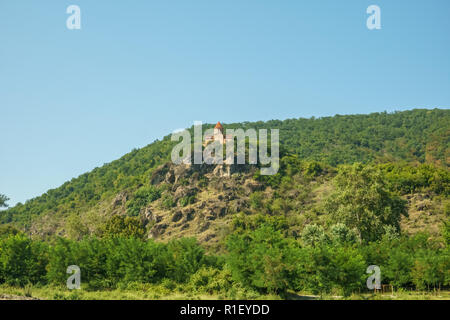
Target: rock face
{"points": [[157, 230], [222, 170], [177, 216], [195, 200], [120, 199], [173, 174], [204, 197], [147, 216], [185, 191]]}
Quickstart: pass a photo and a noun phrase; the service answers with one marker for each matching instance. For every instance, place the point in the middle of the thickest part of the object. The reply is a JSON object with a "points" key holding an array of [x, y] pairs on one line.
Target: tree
{"points": [[397, 270], [362, 201], [142, 197], [313, 235], [3, 200], [127, 227], [22, 260], [347, 268], [186, 258], [75, 227], [430, 269], [341, 234], [262, 259]]}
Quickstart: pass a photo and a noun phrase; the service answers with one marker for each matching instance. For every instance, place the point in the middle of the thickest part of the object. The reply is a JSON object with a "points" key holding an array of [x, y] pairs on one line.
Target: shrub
{"points": [[261, 259], [141, 198], [187, 200], [256, 200], [22, 260], [125, 227]]}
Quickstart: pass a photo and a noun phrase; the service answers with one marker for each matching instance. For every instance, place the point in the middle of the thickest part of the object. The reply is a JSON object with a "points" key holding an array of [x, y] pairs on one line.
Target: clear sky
{"points": [[72, 100]]}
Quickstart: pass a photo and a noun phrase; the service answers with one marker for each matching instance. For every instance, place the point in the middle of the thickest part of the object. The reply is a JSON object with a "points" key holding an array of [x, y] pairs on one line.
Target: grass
{"points": [[397, 295], [61, 293], [158, 292]]}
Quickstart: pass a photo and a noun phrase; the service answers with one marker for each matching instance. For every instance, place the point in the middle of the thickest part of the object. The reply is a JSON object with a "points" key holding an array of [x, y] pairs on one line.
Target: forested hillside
{"points": [[351, 191], [417, 136]]}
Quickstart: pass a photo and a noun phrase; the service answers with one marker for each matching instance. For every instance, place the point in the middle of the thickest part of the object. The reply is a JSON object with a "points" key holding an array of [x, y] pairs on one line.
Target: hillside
{"points": [[410, 148]]}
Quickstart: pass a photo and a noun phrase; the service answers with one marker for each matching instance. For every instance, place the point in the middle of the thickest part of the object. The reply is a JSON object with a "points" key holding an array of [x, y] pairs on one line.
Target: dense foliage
{"points": [[363, 202], [413, 136], [334, 208], [260, 258]]}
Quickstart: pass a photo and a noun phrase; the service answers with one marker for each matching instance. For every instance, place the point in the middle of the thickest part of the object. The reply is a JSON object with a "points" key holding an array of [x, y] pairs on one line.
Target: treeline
{"points": [[263, 257], [105, 263], [259, 259]]}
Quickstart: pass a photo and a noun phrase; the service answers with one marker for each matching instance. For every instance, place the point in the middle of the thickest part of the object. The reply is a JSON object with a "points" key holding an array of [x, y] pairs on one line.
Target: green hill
{"points": [[411, 148]]}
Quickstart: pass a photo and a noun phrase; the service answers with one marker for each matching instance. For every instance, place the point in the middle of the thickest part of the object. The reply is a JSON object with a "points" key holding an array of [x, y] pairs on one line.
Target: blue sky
{"points": [[72, 100]]}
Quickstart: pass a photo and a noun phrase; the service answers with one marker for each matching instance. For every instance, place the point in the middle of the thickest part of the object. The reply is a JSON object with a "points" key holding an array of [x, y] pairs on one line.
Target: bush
{"points": [[211, 280], [125, 227], [256, 200], [168, 202], [187, 200], [186, 256], [261, 259], [22, 260], [141, 198], [325, 268]]}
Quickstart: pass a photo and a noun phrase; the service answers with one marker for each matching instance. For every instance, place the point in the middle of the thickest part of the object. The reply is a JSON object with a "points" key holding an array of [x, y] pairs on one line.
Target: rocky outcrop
{"points": [[157, 230], [173, 174], [222, 170], [201, 198], [185, 191]]}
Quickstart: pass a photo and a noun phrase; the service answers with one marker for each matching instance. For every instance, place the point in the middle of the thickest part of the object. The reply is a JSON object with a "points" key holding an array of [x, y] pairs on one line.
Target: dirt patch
{"points": [[13, 297]]}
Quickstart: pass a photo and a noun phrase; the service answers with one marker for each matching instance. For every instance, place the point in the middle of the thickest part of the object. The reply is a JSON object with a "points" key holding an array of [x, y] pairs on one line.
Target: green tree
{"points": [[3, 200], [134, 260], [124, 226], [262, 259], [430, 269], [76, 228], [22, 260], [186, 256], [313, 235], [397, 270], [142, 197], [346, 269], [362, 202], [341, 234]]}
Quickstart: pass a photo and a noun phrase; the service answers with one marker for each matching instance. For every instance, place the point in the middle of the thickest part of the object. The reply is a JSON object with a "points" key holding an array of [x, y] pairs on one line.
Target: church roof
{"points": [[218, 126]]}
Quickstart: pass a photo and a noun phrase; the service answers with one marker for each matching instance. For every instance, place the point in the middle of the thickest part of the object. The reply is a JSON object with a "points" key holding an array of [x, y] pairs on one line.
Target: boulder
{"points": [[177, 216]]}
